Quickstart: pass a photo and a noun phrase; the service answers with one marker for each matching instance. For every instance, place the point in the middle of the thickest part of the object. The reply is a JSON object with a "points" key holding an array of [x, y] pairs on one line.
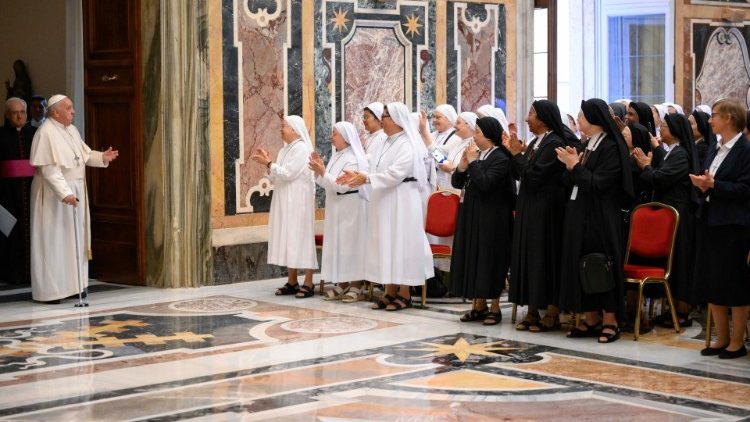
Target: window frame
{"points": [[615, 8]]}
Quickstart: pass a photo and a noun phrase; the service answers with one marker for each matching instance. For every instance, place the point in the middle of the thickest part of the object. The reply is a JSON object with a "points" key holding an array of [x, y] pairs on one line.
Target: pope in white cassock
{"points": [[345, 226], [291, 225], [398, 254], [59, 204]]}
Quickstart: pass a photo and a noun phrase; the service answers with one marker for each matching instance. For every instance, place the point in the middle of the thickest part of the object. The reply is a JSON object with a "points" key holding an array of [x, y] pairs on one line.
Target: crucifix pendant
{"points": [[77, 158]]}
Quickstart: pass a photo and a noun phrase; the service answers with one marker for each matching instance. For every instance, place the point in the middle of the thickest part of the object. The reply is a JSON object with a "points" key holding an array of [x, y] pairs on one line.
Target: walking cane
{"points": [[81, 302]]}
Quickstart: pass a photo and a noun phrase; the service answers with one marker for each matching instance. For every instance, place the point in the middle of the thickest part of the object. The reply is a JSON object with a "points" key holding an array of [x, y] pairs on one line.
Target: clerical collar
{"points": [[483, 154]]}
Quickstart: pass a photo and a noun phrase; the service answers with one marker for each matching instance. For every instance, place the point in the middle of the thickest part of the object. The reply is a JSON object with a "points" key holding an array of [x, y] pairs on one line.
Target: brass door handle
{"points": [[110, 78]]}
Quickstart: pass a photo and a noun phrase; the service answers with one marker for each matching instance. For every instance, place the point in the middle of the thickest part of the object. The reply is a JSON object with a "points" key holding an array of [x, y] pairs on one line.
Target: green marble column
{"points": [[175, 96]]}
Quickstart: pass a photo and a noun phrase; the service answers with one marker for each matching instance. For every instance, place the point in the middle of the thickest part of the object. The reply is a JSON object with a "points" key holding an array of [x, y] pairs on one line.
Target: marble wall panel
{"points": [[374, 69], [246, 262]]}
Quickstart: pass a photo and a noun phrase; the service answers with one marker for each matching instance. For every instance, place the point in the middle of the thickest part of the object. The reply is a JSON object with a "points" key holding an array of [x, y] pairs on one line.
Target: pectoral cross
{"points": [[76, 158]]}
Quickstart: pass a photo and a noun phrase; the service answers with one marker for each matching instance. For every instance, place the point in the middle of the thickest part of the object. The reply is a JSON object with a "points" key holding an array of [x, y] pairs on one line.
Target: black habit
{"points": [[481, 244], [540, 207], [15, 196], [602, 185]]}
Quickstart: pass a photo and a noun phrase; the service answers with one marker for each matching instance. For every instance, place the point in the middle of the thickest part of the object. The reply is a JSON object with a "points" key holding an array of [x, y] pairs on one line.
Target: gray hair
{"points": [[11, 100]]}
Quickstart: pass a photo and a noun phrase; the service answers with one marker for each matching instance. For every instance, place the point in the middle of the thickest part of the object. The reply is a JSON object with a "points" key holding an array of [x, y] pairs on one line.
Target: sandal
{"points": [[590, 331], [609, 337], [399, 303], [474, 315], [493, 318], [384, 302], [352, 295], [547, 323], [287, 289], [336, 293], [305, 291]]}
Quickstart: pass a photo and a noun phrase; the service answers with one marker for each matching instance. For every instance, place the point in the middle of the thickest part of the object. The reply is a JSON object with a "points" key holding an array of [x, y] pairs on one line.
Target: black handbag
{"points": [[596, 273], [596, 270]]}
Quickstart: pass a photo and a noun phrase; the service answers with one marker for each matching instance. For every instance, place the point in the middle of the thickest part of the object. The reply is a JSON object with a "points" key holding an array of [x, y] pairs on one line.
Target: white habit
{"points": [[398, 249], [345, 226], [291, 225], [60, 157]]}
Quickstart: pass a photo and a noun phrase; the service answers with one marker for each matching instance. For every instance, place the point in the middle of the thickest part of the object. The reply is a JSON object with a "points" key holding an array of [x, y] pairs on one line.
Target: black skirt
{"points": [[722, 276]]}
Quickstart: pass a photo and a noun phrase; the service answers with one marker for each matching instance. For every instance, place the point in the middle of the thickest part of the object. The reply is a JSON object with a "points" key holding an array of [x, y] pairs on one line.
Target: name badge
{"points": [[574, 193]]}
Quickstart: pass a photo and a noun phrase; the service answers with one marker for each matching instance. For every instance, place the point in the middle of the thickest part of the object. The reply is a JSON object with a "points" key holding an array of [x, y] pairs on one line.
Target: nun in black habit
{"points": [[705, 139], [601, 184], [537, 230], [641, 113], [670, 184], [481, 245]]}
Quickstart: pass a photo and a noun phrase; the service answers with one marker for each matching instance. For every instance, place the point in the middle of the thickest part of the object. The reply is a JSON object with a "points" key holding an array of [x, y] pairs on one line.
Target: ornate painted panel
{"points": [[476, 54], [721, 64]]}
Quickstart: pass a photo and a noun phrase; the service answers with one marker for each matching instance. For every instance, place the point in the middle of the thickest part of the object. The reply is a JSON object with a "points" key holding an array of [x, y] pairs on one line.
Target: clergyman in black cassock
{"points": [[15, 144]]}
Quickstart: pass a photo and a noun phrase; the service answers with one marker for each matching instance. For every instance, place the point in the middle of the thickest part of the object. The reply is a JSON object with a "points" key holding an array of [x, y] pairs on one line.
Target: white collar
{"points": [[595, 141], [731, 142]]}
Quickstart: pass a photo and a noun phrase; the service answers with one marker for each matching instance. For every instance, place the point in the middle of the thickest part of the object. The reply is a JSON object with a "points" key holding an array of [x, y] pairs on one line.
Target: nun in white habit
{"points": [[344, 229], [488, 110], [291, 240], [398, 255], [372, 117], [442, 140]]}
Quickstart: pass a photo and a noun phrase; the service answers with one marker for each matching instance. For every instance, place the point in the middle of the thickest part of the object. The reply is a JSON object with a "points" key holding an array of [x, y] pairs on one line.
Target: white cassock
{"points": [[345, 226], [398, 250], [291, 241], [373, 141], [60, 157]]}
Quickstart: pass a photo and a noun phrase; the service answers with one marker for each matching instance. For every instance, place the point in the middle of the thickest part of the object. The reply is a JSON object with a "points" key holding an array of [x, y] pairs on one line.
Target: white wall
{"points": [[35, 32]]}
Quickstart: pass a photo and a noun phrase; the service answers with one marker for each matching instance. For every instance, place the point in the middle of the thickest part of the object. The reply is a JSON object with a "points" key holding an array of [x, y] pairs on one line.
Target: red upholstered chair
{"points": [[653, 230], [442, 214]]}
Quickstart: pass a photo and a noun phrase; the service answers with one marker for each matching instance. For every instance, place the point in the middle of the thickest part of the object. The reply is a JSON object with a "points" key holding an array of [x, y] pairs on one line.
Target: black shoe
{"points": [[713, 351], [726, 354], [51, 302]]}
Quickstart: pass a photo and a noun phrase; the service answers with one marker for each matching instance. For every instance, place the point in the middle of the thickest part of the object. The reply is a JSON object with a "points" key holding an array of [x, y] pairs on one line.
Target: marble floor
{"points": [[237, 352]]}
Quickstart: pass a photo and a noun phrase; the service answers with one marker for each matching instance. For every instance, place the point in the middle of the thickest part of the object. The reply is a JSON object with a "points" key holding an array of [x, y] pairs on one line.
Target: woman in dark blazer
{"points": [[481, 245], [540, 207], [723, 234], [669, 183], [601, 184]]}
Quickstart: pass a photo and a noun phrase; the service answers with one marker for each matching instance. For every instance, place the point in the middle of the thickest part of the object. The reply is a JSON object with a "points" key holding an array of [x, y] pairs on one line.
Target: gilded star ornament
{"points": [[339, 20], [412, 25], [462, 349]]}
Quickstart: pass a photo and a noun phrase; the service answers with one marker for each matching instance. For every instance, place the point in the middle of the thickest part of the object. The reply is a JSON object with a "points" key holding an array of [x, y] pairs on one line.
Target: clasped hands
{"points": [[568, 156], [642, 160], [704, 182]]}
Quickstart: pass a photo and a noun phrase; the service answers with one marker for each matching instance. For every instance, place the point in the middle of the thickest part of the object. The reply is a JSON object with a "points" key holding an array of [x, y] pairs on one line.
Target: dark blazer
{"points": [[730, 197]]}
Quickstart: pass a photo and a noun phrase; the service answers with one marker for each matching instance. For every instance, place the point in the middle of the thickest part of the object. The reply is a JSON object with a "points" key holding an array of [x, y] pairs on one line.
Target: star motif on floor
{"points": [[339, 20], [462, 349], [412, 25]]}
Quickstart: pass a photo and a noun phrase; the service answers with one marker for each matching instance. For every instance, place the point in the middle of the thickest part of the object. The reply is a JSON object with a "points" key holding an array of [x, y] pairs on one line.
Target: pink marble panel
{"points": [[262, 80], [373, 70], [476, 41]]}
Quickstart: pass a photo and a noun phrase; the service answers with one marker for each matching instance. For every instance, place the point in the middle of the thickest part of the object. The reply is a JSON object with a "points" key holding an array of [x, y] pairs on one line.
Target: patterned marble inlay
{"points": [[330, 325], [726, 68], [224, 304]]}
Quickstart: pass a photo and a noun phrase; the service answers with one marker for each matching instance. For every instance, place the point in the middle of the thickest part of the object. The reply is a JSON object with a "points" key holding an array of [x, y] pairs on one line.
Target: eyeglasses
{"points": [[715, 114]]}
